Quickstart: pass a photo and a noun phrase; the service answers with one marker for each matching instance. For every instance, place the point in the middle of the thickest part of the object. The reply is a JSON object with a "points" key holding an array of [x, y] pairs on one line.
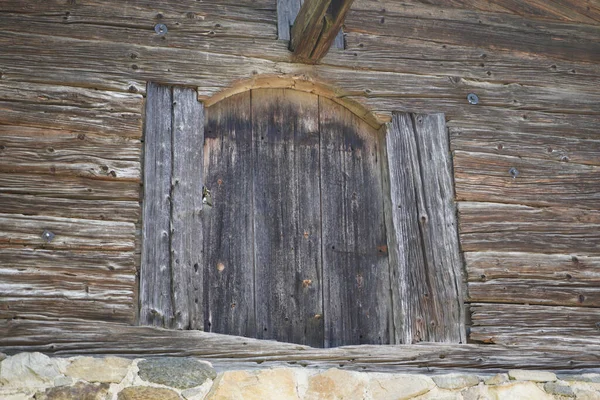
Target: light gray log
{"points": [[186, 205], [422, 232]]}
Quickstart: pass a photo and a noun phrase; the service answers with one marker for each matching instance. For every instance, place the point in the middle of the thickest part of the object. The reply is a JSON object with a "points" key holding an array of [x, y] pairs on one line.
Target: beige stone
{"points": [[497, 379], [79, 391], [105, 370], [336, 384], [455, 381], [15, 394], [33, 370], [533, 376], [479, 392], [147, 393], [244, 385], [440, 394], [398, 387], [518, 390]]}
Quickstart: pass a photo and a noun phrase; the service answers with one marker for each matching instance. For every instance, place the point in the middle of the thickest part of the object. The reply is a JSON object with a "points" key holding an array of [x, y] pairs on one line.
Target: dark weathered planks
{"points": [[156, 301], [486, 177], [228, 245], [74, 337], [534, 325], [186, 206], [45, 151], [424, 253], [287, 10], [508, 227], [357, 299], [70, 233], [287, 216]]}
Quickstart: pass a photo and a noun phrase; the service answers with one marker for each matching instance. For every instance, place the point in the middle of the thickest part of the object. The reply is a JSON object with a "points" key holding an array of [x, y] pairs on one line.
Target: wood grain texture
{"points": [[508, 227], [307, 29], [75, 337], [533, 324], [423, 239], [287, 10], [356, 277], [156, 286], [228, 244], [486, 177], [287, 216], [186, 205]]}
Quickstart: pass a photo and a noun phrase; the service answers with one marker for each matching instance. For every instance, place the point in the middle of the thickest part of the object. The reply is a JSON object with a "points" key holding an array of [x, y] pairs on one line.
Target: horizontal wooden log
{"points": [[68, 187], [572, 269], [487, 177], [507, 227], [554, 147], [73, 337], [115, 310], [534, 325], [31, 150], [70, 233]]}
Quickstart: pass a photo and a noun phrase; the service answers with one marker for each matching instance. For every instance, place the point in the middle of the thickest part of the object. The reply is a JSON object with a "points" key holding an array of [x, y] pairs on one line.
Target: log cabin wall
{"points": [[526, 157]]}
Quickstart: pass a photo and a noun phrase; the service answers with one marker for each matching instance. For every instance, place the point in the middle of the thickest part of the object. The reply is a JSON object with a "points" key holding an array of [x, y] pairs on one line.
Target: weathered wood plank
{"points": [[308, 27], [334, 20], [186, 205], [534, 325], [117, 309], [423, 231], [68, 187], [70, 208], [574, 269], [507, 227], [156, 286], [554, 147], [228, 247], [356, 274], [71, 233], [287, 10], [497, 178], [38, 150], [73, 337], [287, 222]]}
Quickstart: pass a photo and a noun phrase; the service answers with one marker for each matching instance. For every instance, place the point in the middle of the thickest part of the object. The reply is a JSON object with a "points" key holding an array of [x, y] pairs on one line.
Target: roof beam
{"points": [[316, 27]]}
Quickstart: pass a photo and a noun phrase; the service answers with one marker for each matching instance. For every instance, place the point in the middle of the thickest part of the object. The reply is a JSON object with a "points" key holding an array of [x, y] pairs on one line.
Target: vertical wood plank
{"points": [[287, 216], [186, 227], [422, 236], [287, 10], [156, 303], [357, 298], [228, 246]]}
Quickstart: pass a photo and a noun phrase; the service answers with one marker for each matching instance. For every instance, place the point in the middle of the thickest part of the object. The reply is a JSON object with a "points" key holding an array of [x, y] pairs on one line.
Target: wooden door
{"points": [[294, 246]]}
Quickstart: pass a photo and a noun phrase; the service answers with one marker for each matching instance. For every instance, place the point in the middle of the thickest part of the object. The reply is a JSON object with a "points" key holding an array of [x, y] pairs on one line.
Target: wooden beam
{"points": [[316, 27]]}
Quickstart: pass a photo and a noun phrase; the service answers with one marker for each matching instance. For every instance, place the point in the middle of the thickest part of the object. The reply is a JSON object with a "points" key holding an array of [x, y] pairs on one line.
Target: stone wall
{"points": [[36, 376]]}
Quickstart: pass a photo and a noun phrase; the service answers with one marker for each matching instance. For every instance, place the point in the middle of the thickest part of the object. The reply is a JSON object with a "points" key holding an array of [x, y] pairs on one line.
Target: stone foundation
{"points": [[36, 376]]}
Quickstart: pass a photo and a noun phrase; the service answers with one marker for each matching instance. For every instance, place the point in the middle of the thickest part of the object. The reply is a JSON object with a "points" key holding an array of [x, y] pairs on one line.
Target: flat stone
{"points": [[79, 391], [32, 370], [559, 388], [440, 394], [197, 393], [181, 373], [587, 395], [105, 370], [63, 381], [533, 376], [147, 393], [595, 378], [518, 390], [399, 387], [15, 394], [479, 392], [336, 384], [455, 381], [279, 383], [497, 379]]}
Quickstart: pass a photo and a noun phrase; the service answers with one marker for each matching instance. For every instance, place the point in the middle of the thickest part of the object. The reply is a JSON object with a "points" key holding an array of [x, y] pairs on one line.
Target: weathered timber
{"points": [[487, 177], [310, 24], [287, 216], [186, 206], [528, 146], [534, 325], [73, 337], [156, 297], [571, 268], [422, 228], [120, 308], [71, 233], [508, 227], [68, 187], [228, 244], [356, 274], [287, 10], [36, 150]]}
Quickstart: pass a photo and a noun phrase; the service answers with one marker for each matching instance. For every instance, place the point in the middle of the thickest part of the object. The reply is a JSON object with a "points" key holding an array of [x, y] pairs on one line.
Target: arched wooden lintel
{"points": [[304, 84]]}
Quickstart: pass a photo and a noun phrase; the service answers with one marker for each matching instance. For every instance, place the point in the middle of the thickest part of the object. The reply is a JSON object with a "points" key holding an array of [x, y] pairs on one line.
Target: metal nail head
{"points": [[513, 172], [160, 29], [472, 98], [47, 236]]}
